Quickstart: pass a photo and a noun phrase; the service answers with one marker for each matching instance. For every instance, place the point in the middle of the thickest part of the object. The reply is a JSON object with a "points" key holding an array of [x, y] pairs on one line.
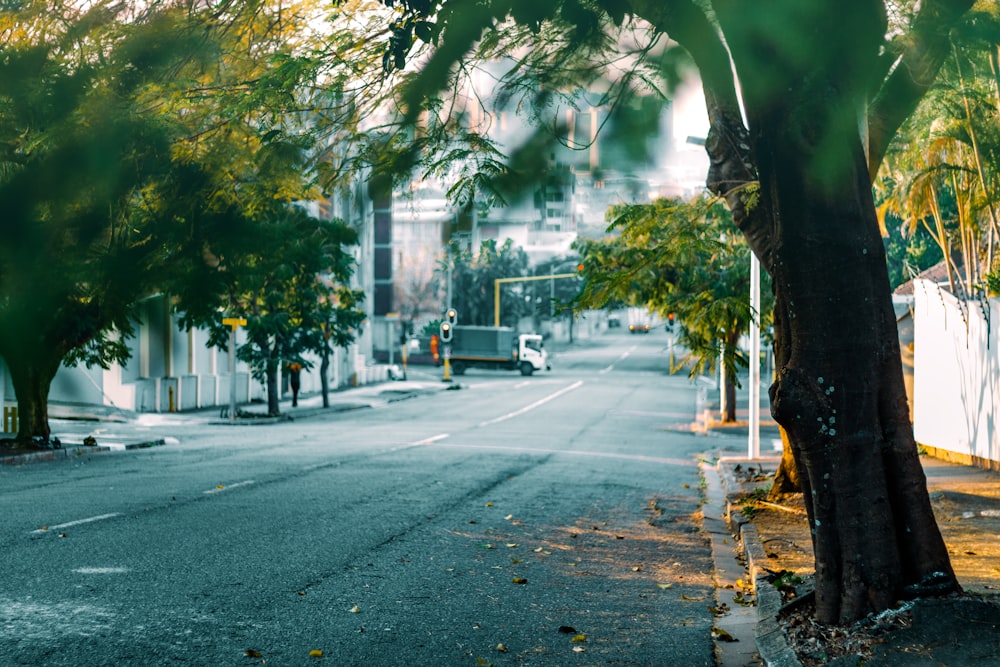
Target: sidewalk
{"points": [[953, 631], [88, 429]]}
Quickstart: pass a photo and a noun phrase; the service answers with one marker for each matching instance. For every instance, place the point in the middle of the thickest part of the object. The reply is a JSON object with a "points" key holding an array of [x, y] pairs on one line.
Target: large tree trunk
{"points": [[32, 379], [839, 392]]}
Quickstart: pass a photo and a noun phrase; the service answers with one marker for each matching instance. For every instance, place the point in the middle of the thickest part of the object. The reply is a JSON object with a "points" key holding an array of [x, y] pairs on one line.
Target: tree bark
{"points": [[273, 407], [32, 378], [786, 479], [839, 393], [324, 370]]}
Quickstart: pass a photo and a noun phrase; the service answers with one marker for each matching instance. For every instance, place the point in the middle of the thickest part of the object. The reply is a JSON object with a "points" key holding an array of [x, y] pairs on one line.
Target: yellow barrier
{"points": [[10, 419]]}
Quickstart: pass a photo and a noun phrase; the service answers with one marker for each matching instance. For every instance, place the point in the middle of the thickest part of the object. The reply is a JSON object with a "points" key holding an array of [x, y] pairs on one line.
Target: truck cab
{"points": [[531, 354]]}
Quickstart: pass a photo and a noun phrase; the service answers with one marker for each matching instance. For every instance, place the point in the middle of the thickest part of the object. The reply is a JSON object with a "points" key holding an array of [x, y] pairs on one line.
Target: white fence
{"points": [[956, 404]]}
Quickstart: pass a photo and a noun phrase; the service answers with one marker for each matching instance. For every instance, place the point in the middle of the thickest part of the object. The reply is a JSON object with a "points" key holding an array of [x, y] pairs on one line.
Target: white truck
{"points": [[638, 320], [499, 348]]}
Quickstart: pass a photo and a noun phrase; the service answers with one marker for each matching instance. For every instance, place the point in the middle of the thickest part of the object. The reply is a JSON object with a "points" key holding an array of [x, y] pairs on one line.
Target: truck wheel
{"points": [[527, 369]]}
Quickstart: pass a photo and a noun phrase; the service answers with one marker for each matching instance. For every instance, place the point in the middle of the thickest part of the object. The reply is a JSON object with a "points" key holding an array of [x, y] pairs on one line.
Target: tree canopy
{"points": [[681, 257], [138, 143]]}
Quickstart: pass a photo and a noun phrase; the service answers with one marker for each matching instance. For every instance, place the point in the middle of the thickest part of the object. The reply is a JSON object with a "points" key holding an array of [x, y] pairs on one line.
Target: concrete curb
{"points": [[393, 396], [771, 641], [74, 451]]}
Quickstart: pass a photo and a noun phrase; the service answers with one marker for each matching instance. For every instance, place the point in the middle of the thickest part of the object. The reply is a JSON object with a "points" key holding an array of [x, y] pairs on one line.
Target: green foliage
{"points": [[908, 253], [287, 274], [79, 150], [940, 184], [682, 257], [140, 148], [473, 278]]}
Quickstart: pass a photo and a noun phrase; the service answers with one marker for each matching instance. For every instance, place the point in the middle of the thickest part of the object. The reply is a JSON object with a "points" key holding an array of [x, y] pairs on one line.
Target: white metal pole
{"points": [[232, 373], [753, 444]]}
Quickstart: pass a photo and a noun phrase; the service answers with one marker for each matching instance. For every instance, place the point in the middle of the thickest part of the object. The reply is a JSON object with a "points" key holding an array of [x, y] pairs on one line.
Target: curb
{"points": [[305, 413], [770, 637], [75, 451]]}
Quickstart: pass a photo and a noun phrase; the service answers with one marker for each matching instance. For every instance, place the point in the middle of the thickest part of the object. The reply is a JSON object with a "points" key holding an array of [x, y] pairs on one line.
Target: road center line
{"points": [[101, 517], [224, 487], [622, 357], [431, 440], [511, 415]]}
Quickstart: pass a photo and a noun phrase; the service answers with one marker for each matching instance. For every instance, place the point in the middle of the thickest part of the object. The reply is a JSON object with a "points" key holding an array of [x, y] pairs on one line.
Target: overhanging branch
{"points": [[927, 46]]}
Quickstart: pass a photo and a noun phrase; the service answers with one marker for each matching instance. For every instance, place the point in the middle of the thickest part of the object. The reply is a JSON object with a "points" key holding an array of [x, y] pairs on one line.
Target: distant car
{"points": [[638, 328], [614, 322]]}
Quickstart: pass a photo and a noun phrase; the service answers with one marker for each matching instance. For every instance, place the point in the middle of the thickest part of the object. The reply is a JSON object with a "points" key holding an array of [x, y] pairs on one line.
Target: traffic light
{"points": [[446, 332], [579, 269], [452, 316], [670, 322]]}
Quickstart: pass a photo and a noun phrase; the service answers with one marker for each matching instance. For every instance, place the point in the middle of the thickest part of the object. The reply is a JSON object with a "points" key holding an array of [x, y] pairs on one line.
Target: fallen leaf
{"points": [[501, 648], [722, 635], [685, 486], [637, 568], [220, 486], [483, 662], [721, 610], [515, 561], [62, 534], [250, 653], [302, 592], [574, 535], [44, 528], [579, 649], [688, 598], [509, 517], [355, 609], [315, 653], [619, 537], [486, 546], [538, 550], [520, 580], [489, 504], [665, 586], [512, 545], [579, 638]]}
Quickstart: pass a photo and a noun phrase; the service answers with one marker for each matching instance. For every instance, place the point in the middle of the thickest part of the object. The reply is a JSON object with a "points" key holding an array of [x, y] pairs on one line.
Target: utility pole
{"points": [[233, 323]]}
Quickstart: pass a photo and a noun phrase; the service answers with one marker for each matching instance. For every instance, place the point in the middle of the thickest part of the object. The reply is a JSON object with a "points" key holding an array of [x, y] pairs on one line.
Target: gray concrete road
{"points": [[551, 520]]}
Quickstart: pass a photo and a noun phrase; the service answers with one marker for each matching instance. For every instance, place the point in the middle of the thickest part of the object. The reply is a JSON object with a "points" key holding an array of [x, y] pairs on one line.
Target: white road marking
{"points": [[69, 524], [101, 570], [527, 408], [226, 487], [577, 452], [430, 440], [622, 357]]}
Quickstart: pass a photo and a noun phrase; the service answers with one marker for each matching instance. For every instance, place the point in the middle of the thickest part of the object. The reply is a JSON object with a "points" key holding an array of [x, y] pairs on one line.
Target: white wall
{"points": [[956, 373]]}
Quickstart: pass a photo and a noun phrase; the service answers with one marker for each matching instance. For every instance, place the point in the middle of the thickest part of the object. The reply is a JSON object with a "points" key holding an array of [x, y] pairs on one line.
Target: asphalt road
{"points": [[550, 520]]}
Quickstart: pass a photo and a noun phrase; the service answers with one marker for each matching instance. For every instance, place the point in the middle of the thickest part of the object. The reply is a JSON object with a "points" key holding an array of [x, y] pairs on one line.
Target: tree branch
{"points": [[926, 47], [733, 168]]}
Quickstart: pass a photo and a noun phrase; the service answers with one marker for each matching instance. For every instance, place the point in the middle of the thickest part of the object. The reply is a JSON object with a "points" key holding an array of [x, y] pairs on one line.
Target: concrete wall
{"points": [[956, 382]]}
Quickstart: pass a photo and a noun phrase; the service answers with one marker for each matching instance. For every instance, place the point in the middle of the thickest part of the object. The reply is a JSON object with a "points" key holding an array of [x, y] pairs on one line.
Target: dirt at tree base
{"points": [[968, 515]]}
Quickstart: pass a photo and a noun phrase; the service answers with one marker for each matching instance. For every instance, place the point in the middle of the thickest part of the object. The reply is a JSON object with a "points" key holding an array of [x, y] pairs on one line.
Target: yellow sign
{"points": [[234, 322]]}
